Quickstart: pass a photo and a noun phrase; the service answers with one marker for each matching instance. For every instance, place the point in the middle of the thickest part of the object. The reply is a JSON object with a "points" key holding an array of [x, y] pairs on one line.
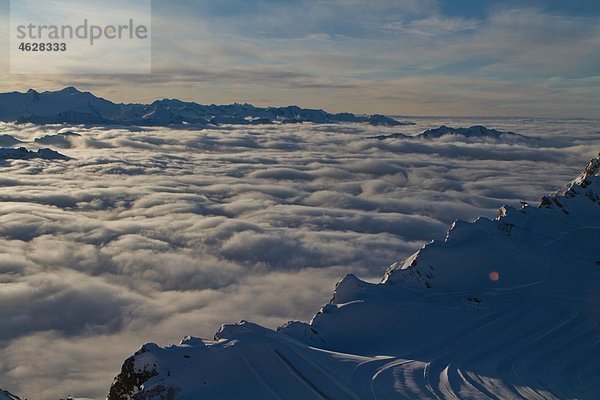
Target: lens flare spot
{"points": [[494, 276]]}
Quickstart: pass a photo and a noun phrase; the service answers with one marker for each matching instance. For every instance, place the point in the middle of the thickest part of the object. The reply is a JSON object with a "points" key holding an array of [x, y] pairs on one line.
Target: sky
{"points": [[396, 57]]}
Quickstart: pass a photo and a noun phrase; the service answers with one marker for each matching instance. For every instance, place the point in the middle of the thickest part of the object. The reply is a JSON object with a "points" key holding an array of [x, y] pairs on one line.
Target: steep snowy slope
{"points": [[72, 106], [504, 308]]}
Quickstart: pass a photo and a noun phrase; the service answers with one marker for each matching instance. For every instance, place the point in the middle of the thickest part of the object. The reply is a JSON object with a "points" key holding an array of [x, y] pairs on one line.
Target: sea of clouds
{"points": [[152, 234]]}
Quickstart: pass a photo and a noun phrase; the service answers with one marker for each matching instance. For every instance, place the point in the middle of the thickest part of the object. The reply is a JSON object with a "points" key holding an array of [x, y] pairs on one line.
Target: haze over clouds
{"points": [[150, 234], [406, 57]]}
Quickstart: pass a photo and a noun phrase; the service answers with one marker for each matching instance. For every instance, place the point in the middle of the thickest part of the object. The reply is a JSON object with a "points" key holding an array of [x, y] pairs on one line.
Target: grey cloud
{"points": [[65, 304]]}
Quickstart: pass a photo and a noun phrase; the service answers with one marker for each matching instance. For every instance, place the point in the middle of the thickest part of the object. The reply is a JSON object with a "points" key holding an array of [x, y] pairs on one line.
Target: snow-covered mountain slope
{"points": [[243, 361], [503, 308], [72, 106], [4, 395]]}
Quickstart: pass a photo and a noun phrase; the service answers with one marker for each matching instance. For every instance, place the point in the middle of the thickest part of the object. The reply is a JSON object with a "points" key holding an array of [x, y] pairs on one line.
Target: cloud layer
{"points": [[151, 234]]}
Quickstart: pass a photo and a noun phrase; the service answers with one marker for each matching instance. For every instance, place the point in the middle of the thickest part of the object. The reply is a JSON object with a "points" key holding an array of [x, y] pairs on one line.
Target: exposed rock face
{"points": [[590, 170], [583, 185], [127, 385]]}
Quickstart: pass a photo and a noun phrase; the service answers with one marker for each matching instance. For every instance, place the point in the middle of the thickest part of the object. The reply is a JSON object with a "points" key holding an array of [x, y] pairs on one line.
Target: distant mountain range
{"points": [[72, 106], [473, 132]]}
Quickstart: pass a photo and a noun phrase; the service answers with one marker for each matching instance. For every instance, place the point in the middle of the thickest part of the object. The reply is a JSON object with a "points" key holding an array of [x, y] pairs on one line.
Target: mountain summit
{"points": [[503, 308], [72, 106]]}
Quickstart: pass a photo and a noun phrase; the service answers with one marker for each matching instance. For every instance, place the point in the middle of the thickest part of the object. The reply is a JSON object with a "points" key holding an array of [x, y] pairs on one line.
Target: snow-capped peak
{"points": [[67, 90], [592, 169]]}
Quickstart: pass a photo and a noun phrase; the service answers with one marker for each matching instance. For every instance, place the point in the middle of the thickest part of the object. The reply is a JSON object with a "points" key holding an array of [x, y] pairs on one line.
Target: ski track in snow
{"points": [[529, 352]]}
